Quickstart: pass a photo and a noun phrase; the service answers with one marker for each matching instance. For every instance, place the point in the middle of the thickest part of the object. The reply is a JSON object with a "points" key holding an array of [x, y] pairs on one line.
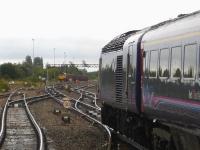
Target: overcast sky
{"points": [[78, 27]]}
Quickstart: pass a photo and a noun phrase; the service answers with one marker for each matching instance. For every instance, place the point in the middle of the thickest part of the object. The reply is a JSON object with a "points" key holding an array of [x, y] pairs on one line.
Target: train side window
{"points": [[164, 62], [190, 58], [176, 62], [153, 63], [146, 67]]}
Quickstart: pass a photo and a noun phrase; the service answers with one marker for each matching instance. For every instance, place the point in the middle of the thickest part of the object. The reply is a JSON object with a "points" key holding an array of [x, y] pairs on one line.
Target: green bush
{"points": [[93, 75], [3, 86]]}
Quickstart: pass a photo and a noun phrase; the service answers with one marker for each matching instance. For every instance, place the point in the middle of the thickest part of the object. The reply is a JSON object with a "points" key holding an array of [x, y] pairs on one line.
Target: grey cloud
{"points": [[75, 48]]}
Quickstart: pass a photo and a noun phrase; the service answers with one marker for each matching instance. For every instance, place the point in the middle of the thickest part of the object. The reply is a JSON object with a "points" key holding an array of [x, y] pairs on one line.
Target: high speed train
{"points": [[149, 84]]}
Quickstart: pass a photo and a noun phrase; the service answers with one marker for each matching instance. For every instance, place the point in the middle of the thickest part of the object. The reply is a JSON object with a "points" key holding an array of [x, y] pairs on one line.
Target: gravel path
{"points": [[78, 135]]}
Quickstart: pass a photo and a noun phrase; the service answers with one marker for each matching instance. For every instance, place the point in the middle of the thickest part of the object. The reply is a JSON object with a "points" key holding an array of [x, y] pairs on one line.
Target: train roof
{"points": [[118, 42], [182, 28], [179, 17]]}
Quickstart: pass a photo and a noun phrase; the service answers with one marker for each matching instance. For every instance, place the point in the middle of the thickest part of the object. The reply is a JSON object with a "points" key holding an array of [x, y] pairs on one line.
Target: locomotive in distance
{"points": [[149, 84], [72, 77]]}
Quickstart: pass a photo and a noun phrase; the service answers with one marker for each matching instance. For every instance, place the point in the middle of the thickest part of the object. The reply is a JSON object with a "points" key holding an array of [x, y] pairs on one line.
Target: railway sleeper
{"points": [[66, 119]]}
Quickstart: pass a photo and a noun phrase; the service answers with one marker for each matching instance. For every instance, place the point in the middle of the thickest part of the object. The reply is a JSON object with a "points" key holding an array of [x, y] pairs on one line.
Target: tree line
{"points": [[35, 70], [21, 70]]}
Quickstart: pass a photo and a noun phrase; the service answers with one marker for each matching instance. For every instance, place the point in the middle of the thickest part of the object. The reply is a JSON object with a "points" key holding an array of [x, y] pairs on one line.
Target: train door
{"points": [[131, 77]]}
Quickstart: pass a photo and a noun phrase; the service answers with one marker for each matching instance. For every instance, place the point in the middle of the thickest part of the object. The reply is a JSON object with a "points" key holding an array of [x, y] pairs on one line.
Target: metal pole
{"points": [[64, 58], [47, 77], [54, 65], [33, 56], [54, 56], [33, 49], [65, 69]]}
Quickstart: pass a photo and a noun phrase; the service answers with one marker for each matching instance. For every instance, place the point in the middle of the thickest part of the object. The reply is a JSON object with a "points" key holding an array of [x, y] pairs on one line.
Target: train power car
{"points": [[149, 84]]}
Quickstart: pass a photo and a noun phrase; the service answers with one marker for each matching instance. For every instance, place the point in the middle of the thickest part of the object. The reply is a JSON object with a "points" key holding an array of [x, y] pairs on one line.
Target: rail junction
{"points": [[86, 105], [19, 128]]}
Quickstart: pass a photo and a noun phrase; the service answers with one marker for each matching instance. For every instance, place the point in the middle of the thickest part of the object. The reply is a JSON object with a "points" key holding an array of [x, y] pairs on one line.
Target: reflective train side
{"points": [[171, 83], [150, 86]]}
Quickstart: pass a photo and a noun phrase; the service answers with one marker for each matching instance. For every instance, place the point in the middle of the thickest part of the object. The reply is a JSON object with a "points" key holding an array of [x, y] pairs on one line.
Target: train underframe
{"points": [[151, 134]]}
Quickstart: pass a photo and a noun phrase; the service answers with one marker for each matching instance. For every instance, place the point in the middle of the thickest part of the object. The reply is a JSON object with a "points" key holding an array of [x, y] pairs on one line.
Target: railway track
{"points": [[75, 106], [4, 95], [87, 103], [88, 95], [19, 130], [84, 103], [92, 96]]}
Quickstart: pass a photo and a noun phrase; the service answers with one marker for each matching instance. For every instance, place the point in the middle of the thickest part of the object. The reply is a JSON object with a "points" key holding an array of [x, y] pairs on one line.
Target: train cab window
{"points": [[176, 62], [153, 63], [164, 61], [190, 58], [132, 62]]}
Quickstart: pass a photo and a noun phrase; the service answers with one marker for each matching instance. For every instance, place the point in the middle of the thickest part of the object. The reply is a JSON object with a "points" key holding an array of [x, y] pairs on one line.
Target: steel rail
{"points": [[78, 101], [84, 87], [88, 105], [8, 93], [95, 97], [5, 94], [121, 137], [34, 98], [98, 122], [80, 87], [93, 119], [90, 86], [57, 99], [3, 118], [106, 128], [95, 102], [39, 131]]}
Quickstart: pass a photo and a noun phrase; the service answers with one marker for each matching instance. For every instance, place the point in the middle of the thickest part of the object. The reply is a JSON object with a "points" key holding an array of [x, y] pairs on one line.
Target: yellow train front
{"points": [[72, 77]]}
